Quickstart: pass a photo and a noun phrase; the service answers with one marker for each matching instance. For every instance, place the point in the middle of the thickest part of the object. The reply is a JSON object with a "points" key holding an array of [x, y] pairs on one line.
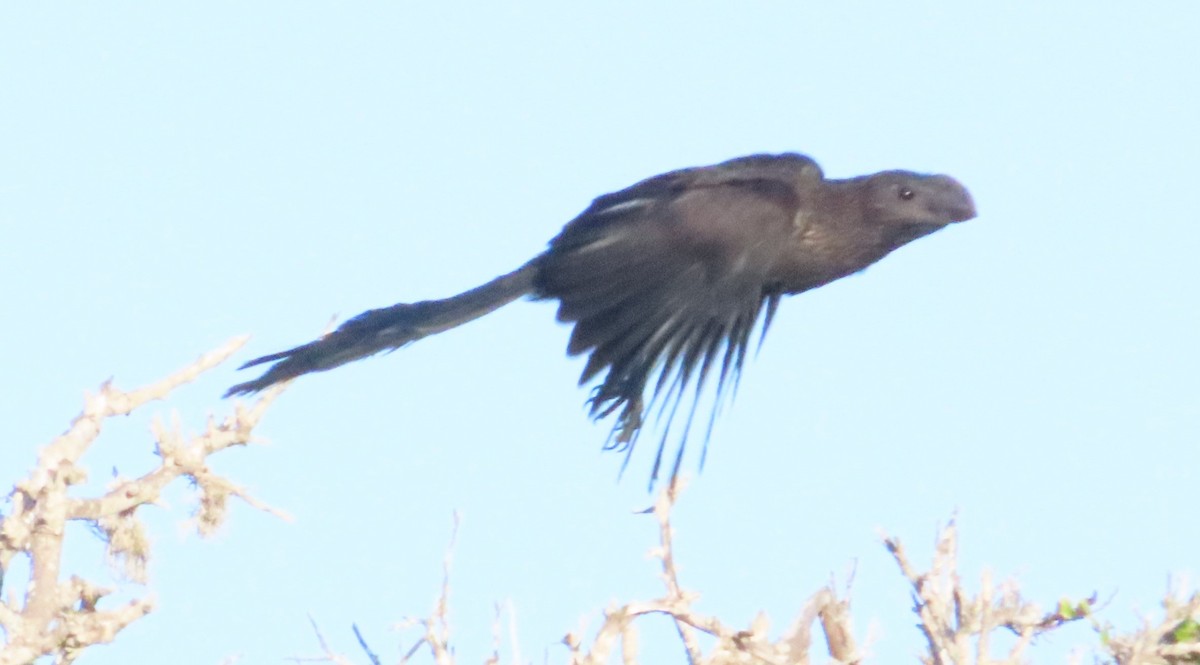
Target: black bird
{"points": [[665, 280]]}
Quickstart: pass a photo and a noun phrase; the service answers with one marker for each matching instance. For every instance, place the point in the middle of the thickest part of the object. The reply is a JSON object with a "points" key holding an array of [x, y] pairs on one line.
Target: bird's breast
{"points": [[818, 255]]}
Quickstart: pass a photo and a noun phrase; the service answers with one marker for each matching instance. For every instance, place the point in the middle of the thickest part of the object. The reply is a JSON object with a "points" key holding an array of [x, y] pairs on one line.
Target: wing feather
{"points": [[665, 281]]}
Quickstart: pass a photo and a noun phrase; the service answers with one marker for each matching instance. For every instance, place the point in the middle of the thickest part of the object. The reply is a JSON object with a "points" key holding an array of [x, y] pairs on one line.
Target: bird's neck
{"points": [[833, 239]]}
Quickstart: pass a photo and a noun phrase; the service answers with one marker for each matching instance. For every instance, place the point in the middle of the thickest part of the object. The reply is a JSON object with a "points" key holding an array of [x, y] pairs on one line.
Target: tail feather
{"points": [[387, 329]]}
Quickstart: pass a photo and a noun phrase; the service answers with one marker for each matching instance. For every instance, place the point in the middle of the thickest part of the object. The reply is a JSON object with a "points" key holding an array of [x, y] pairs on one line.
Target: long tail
{"points": [[389, 328]]}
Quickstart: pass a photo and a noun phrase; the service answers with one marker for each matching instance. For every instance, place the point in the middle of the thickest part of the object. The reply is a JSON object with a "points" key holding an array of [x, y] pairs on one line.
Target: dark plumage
{"points": [[665, 280]]}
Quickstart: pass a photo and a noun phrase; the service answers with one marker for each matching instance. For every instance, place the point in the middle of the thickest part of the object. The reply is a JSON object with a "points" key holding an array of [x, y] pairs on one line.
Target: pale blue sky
{"points": [[172, 175]]}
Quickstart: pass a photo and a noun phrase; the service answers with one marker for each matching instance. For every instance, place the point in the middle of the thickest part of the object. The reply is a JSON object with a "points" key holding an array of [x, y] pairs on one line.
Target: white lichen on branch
{"points": [[58, 617]]}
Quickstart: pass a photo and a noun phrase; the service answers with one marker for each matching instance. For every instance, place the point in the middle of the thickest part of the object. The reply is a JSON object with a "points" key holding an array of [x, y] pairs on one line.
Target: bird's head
{"points": [[911, 205]]}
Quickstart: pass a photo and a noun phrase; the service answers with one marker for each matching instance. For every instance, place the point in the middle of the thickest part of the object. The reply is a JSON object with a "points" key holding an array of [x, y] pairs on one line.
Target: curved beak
{"points": [[954, 201]]}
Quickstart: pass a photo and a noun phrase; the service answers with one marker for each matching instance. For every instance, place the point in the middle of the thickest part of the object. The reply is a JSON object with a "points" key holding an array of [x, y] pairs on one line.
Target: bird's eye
{"points": [[907, 194]]}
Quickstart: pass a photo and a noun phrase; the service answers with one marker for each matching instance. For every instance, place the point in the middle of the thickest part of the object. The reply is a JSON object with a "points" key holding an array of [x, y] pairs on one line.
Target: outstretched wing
{"points": [[665, 281]]}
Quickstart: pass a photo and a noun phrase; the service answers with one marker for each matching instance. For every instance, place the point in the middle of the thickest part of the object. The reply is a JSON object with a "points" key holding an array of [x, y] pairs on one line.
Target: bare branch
{"points": [[732, 645], [958, 625], [60, 618]]}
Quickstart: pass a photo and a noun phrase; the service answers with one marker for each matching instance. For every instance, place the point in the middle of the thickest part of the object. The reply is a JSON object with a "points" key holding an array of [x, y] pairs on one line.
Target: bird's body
{"points": [[665, 280]]}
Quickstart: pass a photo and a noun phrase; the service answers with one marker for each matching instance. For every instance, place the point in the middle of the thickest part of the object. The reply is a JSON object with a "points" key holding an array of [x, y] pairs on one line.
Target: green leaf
{"points": [[1188, 630]]}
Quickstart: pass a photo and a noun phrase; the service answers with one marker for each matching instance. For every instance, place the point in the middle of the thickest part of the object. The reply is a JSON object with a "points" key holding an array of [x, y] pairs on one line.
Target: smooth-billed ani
{"points": [[665, 280]]}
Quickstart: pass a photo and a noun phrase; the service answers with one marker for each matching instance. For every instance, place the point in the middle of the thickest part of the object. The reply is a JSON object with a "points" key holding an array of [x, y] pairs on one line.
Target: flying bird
{"points": [[664, 281]]}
